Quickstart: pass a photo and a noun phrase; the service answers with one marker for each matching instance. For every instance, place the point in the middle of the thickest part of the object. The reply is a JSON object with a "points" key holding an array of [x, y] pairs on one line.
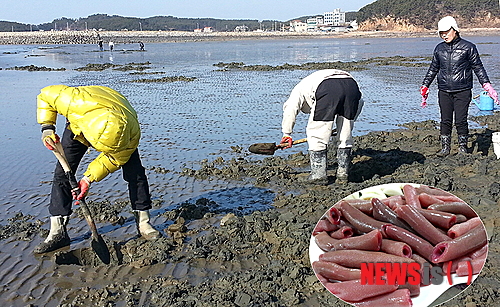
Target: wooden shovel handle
{"points": [[59, 153], [293, 143], [98, 244]]}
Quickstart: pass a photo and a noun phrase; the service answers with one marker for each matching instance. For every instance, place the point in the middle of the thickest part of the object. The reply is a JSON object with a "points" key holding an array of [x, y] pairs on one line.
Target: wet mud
{"points": [[35, 68], [136, 68], [126, 67], [166, 79], [211, 256], [21, 227], [132, 68], [347, 66]]}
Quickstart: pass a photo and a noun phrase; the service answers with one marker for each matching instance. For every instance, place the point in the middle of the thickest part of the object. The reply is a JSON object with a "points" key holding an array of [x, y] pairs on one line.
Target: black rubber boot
{"points": [[445, 146], [344, 163], [318, 161], [58, 235], [462, 143]]}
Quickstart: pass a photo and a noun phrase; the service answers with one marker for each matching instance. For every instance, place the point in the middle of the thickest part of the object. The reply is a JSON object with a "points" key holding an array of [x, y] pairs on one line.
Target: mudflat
{"points": [[214, 257]]}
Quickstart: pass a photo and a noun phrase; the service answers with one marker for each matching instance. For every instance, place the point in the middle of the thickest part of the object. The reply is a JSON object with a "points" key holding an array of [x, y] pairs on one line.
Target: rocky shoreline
{"points": [[128, 37]]}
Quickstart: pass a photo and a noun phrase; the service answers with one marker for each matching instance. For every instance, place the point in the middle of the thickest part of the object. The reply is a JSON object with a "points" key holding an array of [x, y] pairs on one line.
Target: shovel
{"points": [[270, 148], [98, 245]]}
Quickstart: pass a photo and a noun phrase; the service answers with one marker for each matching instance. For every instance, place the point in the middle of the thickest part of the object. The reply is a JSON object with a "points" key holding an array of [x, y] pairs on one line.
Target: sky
{"points": [[40, 11]]}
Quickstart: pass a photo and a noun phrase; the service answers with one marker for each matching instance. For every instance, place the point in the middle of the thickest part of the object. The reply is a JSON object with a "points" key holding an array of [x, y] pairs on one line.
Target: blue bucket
{"points": [[485, 102]]}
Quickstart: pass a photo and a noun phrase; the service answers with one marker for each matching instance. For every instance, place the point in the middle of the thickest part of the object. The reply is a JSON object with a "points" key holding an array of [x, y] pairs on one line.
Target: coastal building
{"points": [[298, 26], [335, 18], [354, 25], [314, 23], [330, 21]]}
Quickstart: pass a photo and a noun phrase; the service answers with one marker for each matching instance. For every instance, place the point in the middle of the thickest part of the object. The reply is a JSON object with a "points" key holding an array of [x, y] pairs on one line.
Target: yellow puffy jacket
{"points": [[99, 117]]}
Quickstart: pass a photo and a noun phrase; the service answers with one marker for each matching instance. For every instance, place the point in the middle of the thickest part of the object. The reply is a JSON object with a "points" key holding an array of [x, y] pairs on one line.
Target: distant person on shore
{"points": [[100, 43], [101, 118], [330, 96], [453, 62], [141, 45], [111, 46]]}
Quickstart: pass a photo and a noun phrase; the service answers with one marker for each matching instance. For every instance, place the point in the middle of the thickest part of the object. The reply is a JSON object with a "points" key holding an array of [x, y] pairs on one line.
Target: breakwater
{"points": [[124, 37], [92, 37]]}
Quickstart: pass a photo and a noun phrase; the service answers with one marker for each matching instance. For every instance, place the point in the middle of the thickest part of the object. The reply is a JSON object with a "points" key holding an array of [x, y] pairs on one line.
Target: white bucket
{"points": [[495, 138]]}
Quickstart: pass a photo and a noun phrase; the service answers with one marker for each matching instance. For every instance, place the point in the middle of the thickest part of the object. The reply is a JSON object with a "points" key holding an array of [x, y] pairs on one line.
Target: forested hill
{"points": [[121, 23], [424, 14]]}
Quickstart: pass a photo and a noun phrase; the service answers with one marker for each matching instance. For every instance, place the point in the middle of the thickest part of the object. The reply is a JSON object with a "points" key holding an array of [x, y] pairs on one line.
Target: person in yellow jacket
{"points": [[102, 118]]}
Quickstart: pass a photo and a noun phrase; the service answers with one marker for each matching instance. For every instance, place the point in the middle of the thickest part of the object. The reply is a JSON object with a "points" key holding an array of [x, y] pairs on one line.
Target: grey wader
{"points": [[344, 161], [318, 161]]}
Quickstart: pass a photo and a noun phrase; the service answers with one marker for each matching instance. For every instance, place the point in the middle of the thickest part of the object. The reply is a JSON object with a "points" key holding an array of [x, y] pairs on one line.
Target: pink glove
{"points": [[491, 91], [424, 91]]}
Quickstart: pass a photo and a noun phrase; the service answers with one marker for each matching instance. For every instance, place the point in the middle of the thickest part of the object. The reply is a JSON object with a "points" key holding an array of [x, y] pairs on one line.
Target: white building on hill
{"points": [[330, 21], [335, 18]]}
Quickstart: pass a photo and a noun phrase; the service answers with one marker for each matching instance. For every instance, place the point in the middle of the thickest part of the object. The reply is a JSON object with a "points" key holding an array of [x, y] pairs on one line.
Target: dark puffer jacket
{"points": [[453, 64]]}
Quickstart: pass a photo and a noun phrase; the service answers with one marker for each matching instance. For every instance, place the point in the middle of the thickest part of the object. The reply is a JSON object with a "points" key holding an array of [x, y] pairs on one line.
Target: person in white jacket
{"points": [[330, 96]]}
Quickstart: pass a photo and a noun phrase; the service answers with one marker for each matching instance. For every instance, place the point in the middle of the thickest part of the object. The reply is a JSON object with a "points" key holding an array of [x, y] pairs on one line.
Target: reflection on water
{"points": [[186, 122]]}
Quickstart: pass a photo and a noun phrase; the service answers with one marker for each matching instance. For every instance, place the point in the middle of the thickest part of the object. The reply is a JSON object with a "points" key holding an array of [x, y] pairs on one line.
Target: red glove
{"points": [[424, 91], [48, 136], [83, 189], [286, 140]]}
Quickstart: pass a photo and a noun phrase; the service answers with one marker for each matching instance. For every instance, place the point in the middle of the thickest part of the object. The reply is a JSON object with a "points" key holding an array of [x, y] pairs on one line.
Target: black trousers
{"points": [[133, 173], [337, 96], [456, 103]]}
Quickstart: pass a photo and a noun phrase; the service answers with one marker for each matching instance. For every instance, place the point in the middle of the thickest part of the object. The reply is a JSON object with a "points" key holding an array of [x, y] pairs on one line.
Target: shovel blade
{"points": [[100, 249], [263, 148]]}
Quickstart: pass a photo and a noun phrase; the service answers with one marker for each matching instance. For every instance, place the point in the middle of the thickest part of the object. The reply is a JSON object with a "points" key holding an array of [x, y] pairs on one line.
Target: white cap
{"points": [[447, 23]]}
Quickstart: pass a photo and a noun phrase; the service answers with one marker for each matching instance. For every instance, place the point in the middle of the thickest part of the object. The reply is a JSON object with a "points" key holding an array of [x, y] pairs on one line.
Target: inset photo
{"points": [[398, 244]]}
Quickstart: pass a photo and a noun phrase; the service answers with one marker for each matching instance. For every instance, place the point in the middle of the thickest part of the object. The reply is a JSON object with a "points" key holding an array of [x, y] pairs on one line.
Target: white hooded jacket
{"points": [[303, 96]]}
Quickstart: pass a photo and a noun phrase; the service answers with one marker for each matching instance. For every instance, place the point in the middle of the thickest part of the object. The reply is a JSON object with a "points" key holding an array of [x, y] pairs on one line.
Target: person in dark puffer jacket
{"points": [[453, 62]]}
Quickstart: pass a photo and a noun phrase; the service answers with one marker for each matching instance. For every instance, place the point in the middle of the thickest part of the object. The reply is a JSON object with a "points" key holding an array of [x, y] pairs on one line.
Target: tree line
{"points": [[157, 23]]}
